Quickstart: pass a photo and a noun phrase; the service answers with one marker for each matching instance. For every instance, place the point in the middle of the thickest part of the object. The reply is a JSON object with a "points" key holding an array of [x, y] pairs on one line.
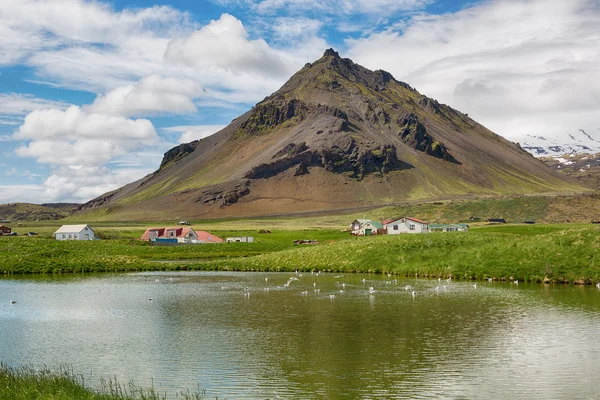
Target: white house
{"points": [[448, 228], [405, 225], [74, 232], [357, 224], [368, 228]]}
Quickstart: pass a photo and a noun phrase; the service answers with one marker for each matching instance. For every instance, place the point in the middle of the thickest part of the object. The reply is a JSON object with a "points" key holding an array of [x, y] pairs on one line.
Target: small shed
{"points": [[75, 232], [240, 239], [5, 230]]}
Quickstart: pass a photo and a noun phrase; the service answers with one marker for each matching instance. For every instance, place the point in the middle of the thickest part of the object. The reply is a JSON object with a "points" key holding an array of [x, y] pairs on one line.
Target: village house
{"points": [[5, 230], [448, 228], [369, 228], [355, 226], [405, 225], [75, 232], [179, 235]]}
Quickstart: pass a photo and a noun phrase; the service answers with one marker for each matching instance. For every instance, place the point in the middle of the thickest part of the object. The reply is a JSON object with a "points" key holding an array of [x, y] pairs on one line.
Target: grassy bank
{"points": [[559, 253], [43, 254], [28, 383]]}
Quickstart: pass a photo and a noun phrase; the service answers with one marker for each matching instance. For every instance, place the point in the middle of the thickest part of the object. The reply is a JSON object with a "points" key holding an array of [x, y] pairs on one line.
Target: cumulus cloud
{"points": [[77, 138], [152, 95], [516, 66], [224, 43], [194, 132]]}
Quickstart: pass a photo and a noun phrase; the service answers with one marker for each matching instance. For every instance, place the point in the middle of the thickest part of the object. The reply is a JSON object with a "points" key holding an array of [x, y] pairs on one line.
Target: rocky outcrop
{"points": [[346, 156], [268, 115], [176, 154], [224, 195], [414, 133]]}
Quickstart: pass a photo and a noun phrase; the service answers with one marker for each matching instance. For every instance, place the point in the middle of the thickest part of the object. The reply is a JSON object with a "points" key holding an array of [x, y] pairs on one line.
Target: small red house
{"points": [[5, 230]]}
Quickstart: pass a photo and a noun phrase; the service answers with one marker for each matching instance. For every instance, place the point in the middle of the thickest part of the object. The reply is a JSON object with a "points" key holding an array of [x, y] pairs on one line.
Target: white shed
{"points": [[405, 225], [74, 232]]}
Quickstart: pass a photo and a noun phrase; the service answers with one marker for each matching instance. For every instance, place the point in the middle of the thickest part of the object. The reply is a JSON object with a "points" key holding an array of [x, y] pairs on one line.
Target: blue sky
{"points": [[94, 92]]}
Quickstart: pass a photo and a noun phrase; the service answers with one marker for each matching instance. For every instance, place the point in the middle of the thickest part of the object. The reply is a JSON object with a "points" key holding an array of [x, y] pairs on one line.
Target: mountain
{"points": [[576, 142], [335, 136], [584, 168], [36, 212]]}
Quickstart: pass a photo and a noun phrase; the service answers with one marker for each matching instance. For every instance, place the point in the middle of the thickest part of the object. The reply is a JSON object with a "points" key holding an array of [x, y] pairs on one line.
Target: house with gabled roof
{"points": [[179, 235], [405, 225], [75, 232], [5, 230], [448, 228], [355, 226], [369, 228]]}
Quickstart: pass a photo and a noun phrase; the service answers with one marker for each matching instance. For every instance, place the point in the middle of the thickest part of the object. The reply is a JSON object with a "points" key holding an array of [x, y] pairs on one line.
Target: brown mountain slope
{"points": [[336, 135]]}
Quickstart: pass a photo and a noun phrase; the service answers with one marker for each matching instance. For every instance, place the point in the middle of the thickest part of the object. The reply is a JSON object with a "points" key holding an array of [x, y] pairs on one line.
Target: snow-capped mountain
{"points": [[577, 142]]}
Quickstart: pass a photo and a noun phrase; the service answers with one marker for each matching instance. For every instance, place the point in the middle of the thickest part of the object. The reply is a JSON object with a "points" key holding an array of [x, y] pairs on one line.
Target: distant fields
{"points": [[541, 252]]}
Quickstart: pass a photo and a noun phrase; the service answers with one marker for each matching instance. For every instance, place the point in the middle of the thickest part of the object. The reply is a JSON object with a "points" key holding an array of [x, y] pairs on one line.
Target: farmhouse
{"points": [[5, 230], [75, 232], [179, 235], [405, 225], [355, 226], [369, 228], [448, 228]]}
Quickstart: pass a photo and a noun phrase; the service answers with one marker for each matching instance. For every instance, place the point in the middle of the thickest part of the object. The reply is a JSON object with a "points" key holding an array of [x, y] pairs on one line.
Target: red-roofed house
{"points": [[405, 225], [181, 234]]}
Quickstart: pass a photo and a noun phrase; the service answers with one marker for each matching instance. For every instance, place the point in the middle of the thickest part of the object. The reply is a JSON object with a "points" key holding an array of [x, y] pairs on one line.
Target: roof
{"points": [[72, 228], [208, 237], [362, 221], [377, 225], [408, 218], [180, 231]]}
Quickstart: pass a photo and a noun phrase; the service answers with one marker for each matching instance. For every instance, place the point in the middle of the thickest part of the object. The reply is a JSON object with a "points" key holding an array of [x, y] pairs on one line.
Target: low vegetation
{"points": [[28, 383], [551, 253]]}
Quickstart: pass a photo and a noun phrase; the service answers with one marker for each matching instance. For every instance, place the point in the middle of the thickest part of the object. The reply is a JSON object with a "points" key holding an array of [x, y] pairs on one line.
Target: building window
{"points": [[395, 227], [411, 227]]}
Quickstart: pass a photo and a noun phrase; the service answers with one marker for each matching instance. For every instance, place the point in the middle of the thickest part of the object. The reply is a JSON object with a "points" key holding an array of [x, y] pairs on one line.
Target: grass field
{"points": [[541, 252], [28, 383]]}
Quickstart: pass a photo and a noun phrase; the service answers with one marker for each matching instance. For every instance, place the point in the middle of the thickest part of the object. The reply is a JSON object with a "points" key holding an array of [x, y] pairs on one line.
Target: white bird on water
{"points": [[598, 285], [247, 295], [364, 280], [414, 293], [305, 293], [371, 290], [332, 296], [475, 285]]}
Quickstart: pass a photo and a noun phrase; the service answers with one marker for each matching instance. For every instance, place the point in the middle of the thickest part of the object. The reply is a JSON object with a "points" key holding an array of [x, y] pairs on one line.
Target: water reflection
{"points": [[202, 329]]}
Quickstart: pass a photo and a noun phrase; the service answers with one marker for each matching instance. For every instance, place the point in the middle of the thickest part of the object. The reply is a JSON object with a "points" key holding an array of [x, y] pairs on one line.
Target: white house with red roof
{"points": [[405, 225], [179, 234]]}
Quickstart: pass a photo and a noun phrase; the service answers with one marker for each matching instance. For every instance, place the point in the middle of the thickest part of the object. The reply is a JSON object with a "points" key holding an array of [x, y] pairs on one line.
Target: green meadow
{"points": [[537, 253]]}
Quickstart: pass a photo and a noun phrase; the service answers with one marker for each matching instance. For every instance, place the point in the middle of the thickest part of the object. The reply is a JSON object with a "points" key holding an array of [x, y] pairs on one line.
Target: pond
{"points": [[249, 336]]}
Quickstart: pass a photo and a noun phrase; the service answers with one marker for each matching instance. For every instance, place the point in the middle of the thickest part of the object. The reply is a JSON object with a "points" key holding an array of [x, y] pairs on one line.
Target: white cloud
{"points": [[334, 7], [77, 138], [224, 43], [13, 106], [153, 94], [519, 66], [193, 132]]}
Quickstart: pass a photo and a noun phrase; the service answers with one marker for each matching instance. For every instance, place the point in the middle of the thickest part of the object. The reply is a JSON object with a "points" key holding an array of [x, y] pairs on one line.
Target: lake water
{"points": [[497, 340]]}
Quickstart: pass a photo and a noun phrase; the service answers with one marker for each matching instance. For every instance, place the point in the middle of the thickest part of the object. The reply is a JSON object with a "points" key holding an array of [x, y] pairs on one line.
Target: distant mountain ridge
{"points": [[576, 142], [15, 212], [335, 136]]}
